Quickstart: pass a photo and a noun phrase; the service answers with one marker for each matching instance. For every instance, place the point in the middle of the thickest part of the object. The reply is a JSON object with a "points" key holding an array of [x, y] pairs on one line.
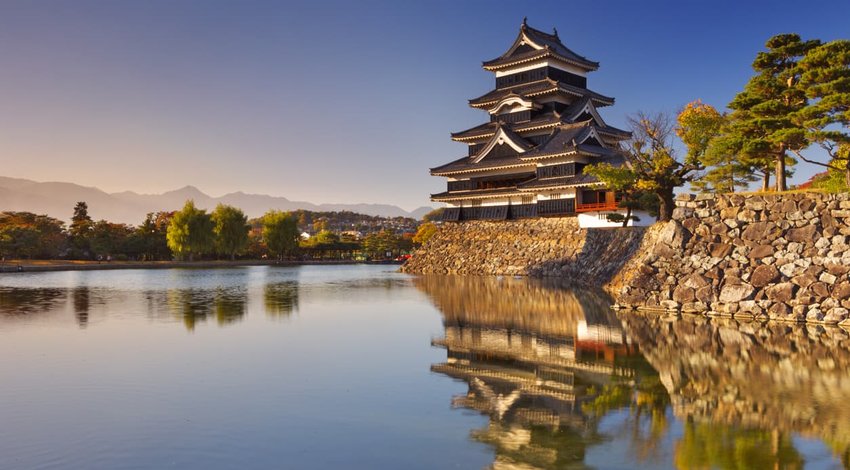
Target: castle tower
{"points": [[544, 128]]}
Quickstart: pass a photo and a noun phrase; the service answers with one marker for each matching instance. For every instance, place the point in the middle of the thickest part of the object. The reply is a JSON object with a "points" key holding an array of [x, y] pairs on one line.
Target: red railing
{"points": [[597, 206]]}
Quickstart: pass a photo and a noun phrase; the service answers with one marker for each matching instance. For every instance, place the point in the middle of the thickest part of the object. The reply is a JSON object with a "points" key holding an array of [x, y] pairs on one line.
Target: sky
{"points": [[332, 101]]}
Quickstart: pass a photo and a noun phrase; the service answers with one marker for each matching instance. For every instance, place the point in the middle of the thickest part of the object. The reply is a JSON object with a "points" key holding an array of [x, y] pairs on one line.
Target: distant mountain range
{"points": [[58, 199]]}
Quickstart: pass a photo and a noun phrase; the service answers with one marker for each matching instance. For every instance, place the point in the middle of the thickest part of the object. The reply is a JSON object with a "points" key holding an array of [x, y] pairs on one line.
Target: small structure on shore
{"points": [[544, 127]]}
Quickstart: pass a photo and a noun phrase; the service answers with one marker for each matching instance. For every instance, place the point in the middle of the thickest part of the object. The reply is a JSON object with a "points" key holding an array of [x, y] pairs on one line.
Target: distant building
{"points": [[544, 128]]}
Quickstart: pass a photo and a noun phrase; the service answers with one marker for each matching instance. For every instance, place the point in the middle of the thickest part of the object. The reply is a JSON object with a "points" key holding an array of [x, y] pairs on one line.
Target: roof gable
{"points": [[513, 100], [503, 143], [530, 40], [569, 139], [584, 108]]}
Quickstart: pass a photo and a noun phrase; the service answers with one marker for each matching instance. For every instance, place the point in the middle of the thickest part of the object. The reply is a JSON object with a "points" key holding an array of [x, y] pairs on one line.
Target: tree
{"points": [[231, 230], [81, 227], [28, 235], [151, 237], [703, 131], [108, 238], [424, 233], [623, 181], [825, 80], [280, 233], [190, 232], [763, 113], [651, 165], [434, 215]]}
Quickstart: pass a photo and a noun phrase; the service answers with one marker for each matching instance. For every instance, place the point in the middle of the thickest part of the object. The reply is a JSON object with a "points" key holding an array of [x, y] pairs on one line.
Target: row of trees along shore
{"points": [[192, 233], [795, 107]]}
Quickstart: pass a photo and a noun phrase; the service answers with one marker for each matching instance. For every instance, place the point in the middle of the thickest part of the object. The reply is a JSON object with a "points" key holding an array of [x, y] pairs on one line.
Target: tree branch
{"points": [[827, 165]]}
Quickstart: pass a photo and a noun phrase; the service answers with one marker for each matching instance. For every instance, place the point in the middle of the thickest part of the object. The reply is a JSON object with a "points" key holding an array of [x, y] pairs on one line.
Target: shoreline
{"points": [[29, 266]]}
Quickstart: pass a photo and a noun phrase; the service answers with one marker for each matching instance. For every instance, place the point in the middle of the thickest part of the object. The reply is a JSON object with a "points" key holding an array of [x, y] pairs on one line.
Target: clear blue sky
{"points": [[336, 101]]}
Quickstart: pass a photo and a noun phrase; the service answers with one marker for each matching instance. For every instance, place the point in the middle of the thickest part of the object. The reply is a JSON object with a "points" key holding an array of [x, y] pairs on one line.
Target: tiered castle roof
{"points": [[541, 113]]}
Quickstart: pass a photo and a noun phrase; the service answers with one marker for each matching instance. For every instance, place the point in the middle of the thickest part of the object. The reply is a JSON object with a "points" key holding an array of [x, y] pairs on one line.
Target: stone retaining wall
{"points": [[783, 257], [536, 247]]}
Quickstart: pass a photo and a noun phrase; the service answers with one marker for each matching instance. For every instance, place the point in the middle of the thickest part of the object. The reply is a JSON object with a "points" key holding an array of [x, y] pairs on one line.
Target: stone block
{"points": [[764, 275], [782, 292], [731, 293]]}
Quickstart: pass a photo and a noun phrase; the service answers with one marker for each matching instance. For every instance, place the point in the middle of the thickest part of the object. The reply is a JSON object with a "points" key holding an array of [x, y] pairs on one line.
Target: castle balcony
{"points": [[597, 206], [593, 201]]}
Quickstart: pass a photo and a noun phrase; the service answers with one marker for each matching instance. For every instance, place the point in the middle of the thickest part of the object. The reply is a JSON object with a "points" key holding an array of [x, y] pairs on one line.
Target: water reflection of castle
{"points": [[532, 353]]}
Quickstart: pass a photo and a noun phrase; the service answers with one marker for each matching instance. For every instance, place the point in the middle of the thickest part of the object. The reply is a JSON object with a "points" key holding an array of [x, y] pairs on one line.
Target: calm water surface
{"points": [[362, 367]]}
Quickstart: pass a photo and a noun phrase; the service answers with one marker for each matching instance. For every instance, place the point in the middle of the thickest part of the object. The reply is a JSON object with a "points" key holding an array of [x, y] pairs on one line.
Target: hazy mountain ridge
{"points": [[57, 199]]}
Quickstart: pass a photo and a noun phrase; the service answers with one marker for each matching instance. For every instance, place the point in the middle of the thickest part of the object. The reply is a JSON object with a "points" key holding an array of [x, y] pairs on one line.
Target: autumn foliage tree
{"points": [[424, 233], [28, 235], [703, 130]]}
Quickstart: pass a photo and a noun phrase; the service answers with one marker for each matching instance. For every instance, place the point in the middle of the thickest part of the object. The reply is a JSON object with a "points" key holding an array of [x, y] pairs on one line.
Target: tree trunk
{"points": [[191, 257], [780, 172], [847, 174], [666, 204], [765, 183], [628, 216]]}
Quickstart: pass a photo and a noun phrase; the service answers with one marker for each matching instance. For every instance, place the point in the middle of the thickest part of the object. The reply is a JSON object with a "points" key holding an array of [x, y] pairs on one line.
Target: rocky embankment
{"points": [[542, 247], [782, 257]]}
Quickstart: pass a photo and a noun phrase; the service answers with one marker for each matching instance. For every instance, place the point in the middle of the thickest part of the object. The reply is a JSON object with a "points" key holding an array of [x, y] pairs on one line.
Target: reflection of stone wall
{"points": [[784, 257], [537, 247], [773, 376], [531, 305]]}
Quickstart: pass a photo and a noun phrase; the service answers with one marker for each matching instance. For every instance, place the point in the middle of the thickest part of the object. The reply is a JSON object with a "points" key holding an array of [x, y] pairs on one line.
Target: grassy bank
{"points": [[15, 266]]}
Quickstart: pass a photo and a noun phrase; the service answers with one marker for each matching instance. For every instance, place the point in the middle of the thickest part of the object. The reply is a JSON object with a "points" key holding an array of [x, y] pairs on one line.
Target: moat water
{"points": [[360, 367]]}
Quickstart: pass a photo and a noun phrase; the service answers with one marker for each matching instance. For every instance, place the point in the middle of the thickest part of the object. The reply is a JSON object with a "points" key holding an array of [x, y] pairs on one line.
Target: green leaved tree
{"points": [[763, 114], [230, 229], [280, 233], [825, 79], [190, 232], [622, 180]]}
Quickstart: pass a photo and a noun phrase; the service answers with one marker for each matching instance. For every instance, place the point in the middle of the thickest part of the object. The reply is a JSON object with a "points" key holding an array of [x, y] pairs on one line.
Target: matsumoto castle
{"points": [[544, 129]]}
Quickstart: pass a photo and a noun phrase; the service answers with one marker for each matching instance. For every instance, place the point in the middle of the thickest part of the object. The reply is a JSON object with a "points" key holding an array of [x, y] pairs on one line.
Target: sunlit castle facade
{"points": [[544, 128]]}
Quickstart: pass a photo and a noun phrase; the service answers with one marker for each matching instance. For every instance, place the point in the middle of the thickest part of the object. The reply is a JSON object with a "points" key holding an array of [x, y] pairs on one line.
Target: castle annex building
{"points": [[544, 128]]}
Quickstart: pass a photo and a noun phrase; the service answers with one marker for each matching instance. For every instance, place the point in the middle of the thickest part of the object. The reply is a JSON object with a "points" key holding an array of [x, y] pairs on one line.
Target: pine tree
{"points": [[825, 79], [762, 117], [81, 227]]}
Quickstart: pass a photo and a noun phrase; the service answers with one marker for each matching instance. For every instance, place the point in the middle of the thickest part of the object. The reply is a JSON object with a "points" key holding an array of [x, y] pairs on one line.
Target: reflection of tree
{"points": [[27, 301], [230, 305], [707, 445], [82, 303], [281, 298], [192, 305]]}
